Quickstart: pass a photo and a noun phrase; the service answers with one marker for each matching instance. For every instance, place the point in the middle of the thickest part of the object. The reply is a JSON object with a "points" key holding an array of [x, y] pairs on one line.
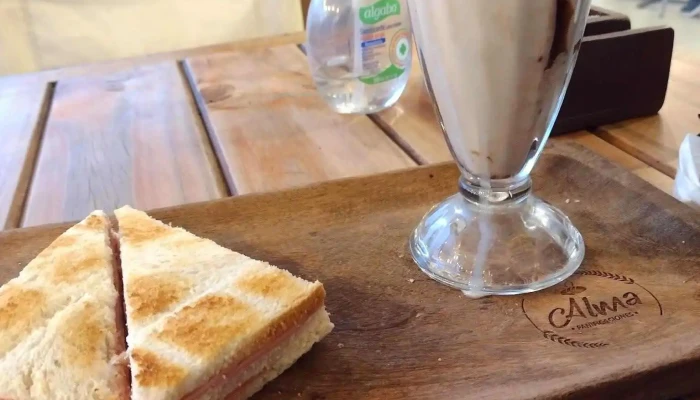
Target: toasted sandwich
{"points": [[61, 321], [205, 322]]}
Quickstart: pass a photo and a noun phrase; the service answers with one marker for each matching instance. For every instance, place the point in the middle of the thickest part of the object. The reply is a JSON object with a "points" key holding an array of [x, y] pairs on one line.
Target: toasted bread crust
{"points": [[155, 371]]}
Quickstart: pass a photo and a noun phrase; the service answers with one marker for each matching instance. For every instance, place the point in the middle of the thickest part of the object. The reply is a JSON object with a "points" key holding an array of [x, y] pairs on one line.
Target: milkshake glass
{"points": [[497, 71]]}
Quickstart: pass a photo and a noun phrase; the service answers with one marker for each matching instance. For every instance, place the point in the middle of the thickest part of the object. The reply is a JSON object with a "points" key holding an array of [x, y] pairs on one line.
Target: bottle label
{"points": [[385, 41]]}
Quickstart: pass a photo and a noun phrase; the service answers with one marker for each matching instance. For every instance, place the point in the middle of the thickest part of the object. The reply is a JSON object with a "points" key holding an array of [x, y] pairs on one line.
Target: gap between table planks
{"points": [[132, 137], [656, 139], [23, 109], [271, 130], [412, 123]]}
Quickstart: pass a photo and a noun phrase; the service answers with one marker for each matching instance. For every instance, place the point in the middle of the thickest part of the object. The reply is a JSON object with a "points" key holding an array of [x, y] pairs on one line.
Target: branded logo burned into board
{"points": [[592, 310]]}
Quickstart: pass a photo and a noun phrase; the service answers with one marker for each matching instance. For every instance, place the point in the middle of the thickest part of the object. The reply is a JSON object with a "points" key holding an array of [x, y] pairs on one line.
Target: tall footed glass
{"points": [[497, 71]]}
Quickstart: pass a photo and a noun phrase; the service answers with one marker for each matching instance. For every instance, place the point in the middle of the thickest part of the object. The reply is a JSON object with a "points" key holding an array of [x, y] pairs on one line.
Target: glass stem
{"points": [[497, 193]]}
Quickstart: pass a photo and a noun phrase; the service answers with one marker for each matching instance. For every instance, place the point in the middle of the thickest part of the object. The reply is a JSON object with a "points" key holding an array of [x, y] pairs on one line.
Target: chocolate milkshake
{"points": [[495, 69], [497, 72]]}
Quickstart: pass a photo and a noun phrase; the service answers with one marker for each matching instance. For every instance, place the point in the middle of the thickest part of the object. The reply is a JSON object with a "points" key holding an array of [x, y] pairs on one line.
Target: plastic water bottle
{"points": [[359, 52]]}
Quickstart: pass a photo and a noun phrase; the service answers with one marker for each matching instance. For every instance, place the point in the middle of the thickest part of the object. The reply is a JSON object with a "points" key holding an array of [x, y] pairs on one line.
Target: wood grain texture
{"points": [[126, 138], [400, 335], [413, 124], [656, 139], [22, 112], [619, 157], [271, 129]]}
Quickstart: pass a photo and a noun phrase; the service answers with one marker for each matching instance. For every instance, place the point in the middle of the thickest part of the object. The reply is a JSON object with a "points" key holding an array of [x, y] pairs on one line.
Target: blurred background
{"points": [[45, 34], [682, 15]]}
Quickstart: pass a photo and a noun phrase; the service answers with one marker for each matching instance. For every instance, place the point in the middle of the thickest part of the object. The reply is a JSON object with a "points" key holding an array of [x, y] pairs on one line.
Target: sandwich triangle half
{"points": [[205, 322], [61, 321]]}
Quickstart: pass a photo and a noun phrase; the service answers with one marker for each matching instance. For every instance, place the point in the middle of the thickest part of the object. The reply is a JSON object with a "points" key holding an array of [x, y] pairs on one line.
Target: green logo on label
{"points": [[388, 74], [403, 49], [379, 11]]}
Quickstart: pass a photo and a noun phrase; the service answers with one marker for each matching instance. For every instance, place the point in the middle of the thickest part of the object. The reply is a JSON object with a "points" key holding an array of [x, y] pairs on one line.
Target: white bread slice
{"points": [[59, 321], [196, 310], [271, 366]]}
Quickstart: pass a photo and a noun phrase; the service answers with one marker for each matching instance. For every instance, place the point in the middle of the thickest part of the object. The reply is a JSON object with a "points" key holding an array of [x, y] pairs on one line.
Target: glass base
{"points": [[517, 246]]}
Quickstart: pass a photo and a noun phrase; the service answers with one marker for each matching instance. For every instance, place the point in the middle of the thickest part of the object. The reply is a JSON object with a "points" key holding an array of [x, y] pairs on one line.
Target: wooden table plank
{"points": [[656, 139], [612, 153], [22, 113], [130, 137], [413, 124], [272, 131]]}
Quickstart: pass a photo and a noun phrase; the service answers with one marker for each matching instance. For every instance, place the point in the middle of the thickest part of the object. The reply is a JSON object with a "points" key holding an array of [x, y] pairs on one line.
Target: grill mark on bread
{"points": [[82, 325], [69, 270], [62, 241], [94, 221], [273, 283], [291, 319], [154, 371], [220, 329], [235, 379], [63, 262], [136, 230], [21, 310], [207, 326], [149, 295], [83, 335]]}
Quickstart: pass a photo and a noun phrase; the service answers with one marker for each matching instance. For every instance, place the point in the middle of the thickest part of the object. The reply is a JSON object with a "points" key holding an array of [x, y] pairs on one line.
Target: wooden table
{"points": [[242, 118]]}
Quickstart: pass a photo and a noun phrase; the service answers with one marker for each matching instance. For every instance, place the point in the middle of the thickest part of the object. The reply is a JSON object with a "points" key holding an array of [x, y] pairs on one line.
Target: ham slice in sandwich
{"points": [[207, 323]]}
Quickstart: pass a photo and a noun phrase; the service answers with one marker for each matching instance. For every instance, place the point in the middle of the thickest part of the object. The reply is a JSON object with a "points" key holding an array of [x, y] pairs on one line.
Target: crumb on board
{"points": [[439, 359], [411, 280], [568, 201], [577, 201], [340, 345], [418, 315]]}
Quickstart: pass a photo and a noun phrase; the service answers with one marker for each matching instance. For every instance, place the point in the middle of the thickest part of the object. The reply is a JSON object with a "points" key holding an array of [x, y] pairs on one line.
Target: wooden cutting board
{"points": [[626, 326]]}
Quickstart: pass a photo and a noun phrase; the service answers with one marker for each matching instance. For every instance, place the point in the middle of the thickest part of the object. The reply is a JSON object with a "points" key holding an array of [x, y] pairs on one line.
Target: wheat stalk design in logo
{"points": [[608, 275], [570, 342], [570, 290], [554, 337]]}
